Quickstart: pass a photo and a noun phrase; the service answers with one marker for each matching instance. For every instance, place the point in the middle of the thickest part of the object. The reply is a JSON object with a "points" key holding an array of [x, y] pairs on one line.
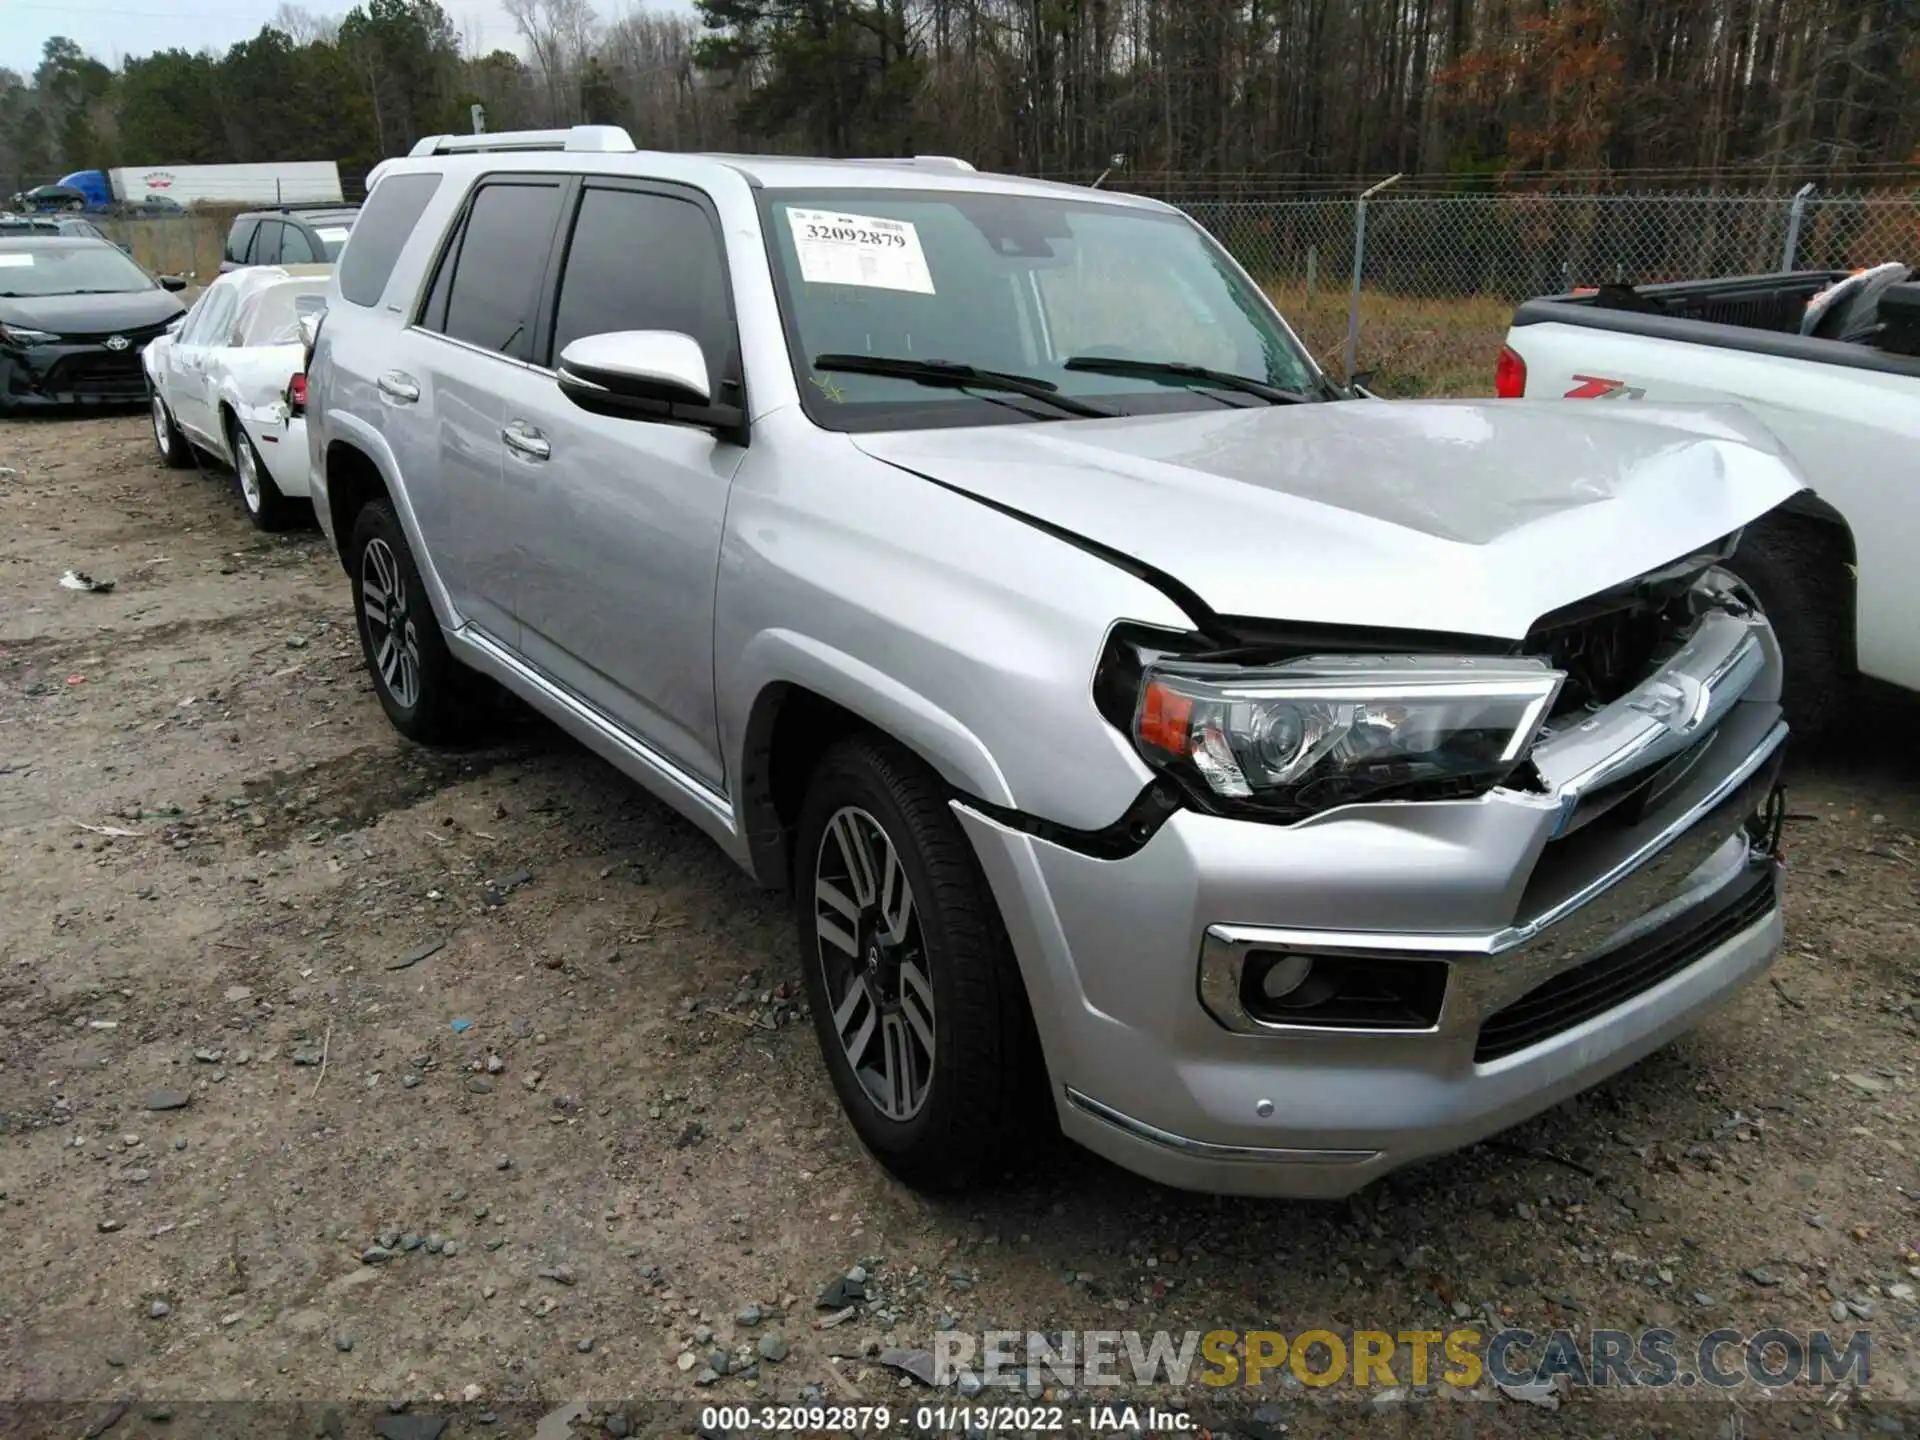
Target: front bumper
{"points": [[63, 374], [1663, 911]]}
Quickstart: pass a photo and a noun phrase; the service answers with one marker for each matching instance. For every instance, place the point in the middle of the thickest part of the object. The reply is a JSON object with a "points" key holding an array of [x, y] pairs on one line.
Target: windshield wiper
{"points": [[952, 375], [1177, 371]]}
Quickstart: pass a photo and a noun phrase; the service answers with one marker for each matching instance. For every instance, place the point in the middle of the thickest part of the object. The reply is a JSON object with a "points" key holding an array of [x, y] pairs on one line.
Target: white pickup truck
{"points": [[1830, 362]]}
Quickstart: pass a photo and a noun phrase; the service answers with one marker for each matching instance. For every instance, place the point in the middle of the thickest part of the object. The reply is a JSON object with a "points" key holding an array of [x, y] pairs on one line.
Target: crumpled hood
{"points": [[1475, 517]]}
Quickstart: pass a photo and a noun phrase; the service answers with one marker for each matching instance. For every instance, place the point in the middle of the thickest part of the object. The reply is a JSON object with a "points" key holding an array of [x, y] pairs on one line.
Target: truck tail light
{"points": [[1509, 374], [297, 394]]}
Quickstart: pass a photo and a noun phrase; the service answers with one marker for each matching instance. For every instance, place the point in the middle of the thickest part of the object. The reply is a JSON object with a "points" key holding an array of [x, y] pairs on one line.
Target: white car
{"points": [[226, 380]]}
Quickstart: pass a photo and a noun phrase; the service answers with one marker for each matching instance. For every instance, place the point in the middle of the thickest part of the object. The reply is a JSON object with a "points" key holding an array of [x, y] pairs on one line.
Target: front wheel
{"points": [[427, 694], [916, 999], [175, 453], [1799, 574]]}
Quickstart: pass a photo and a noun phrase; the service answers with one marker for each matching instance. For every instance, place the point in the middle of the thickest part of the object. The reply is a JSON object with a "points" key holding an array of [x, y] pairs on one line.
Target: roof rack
{"points": [[930, 162], [601, 139]]}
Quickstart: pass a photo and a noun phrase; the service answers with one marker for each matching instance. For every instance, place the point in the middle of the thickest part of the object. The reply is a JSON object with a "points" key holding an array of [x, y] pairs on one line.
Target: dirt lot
{"points": [[594, 1097]]}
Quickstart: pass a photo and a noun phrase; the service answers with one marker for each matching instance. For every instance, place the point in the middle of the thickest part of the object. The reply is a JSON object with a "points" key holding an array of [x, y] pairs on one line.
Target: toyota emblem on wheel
{"points": [[117, 342]]}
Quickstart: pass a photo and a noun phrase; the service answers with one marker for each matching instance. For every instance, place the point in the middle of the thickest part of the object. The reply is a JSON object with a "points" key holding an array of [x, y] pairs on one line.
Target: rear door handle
{"points": [[397, 387], [526, 440]]}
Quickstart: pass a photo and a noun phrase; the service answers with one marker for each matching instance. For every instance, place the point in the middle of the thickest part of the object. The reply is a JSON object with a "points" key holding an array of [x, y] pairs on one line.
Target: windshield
{"points": [[1014, 284], [82, 270]]}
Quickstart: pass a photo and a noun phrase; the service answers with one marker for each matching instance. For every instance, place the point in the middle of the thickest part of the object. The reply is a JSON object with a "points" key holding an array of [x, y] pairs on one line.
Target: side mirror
{"points": [[173, 282], [663, 367], [173, 325]]}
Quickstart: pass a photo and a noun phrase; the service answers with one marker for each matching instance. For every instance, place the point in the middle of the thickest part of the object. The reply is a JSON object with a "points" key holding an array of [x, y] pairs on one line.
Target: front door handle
{"points": [[397, 387], [526, 440]]}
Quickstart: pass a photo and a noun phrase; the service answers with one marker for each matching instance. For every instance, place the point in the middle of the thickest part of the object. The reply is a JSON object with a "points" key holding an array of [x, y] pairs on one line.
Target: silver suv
{"points": [[1269, 785]]}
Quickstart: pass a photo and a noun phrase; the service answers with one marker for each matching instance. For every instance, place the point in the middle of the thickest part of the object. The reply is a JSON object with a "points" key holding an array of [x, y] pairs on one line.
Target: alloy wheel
{"points": [[160, 425], [391, 636], [873, 963], [247, 465]]}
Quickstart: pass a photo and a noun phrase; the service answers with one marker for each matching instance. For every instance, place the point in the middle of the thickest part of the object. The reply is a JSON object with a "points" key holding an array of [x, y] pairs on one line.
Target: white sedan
{"points": [[226, 380]]}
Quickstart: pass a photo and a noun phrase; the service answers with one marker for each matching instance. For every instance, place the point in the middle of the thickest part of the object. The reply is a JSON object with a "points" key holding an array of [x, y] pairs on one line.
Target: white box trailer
{"points": [[297, 182]]}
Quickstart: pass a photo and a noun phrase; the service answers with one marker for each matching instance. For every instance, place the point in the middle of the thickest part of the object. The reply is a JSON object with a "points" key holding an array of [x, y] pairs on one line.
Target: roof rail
{"points": [[928, 162], [601, 139]]}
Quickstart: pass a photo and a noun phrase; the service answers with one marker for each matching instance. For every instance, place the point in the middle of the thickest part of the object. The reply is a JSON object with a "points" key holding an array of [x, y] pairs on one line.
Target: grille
{"points": [[106, 376], [1604, 655], [1595, 987]]}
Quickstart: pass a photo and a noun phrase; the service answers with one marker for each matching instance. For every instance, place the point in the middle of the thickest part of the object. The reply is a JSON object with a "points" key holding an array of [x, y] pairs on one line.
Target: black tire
{"points": [[266, 507], [1798, 571], [175, 452], [445, 700], [985, 1093]]}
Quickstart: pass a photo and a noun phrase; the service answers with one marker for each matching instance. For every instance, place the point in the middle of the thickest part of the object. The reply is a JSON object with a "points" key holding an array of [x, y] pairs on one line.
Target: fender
{"points": [[345, 428], [775, 658]]}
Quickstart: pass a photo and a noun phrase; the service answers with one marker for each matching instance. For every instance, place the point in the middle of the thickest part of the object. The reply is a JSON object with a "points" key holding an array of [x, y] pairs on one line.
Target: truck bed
{"points": [[1756, 313]]}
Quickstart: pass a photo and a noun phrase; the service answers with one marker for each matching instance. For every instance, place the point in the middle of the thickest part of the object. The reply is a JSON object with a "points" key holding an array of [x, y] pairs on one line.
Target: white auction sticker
{"points": [[837, 249], [331, 233], [16, 259]]}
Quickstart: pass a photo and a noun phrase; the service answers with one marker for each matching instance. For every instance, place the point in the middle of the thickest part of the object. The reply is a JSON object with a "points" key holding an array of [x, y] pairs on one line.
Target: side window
{"points": [[190, 326], [211, 327], [497, 269], [380, 234], [680, 284], [295, 248], [240, 239], [266, 244]]}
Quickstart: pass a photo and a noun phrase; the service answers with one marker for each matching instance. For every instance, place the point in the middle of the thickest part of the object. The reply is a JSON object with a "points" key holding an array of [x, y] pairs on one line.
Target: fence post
{"points": [[1313, 268], [1793, 226], [1359, 260]]}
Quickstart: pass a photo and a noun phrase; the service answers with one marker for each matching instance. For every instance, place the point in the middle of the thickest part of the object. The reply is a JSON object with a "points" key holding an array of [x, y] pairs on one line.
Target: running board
{"points": [[685, 792]]}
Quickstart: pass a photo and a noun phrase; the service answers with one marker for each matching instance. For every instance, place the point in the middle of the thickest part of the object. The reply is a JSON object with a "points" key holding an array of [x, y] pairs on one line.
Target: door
{"points": [[467, 354], [619, 521], [190, 390]]}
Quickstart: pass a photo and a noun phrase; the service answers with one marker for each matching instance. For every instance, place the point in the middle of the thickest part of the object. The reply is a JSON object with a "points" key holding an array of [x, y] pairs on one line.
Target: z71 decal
{"points": [[1594, 387]]}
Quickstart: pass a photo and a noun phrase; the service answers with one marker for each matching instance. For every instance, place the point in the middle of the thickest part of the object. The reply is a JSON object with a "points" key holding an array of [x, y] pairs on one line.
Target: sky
{"points": [[112, 29]]}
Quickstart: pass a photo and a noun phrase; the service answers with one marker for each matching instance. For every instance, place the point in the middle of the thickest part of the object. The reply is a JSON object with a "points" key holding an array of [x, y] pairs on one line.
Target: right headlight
{"points": [[1308, 734], [21, 335]]}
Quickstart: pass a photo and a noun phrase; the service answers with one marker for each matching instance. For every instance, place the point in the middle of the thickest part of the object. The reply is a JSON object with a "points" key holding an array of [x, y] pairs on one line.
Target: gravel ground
{"points": [[335, 1071]]}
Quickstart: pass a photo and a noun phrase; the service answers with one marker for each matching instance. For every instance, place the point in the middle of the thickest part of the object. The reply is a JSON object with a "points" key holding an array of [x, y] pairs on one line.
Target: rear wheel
{"points": [[268, 508], [917, 1001], [427, 694], [175, 453]]}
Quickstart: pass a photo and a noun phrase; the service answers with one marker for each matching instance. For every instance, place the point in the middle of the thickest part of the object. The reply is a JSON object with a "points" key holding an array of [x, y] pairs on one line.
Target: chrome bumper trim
{"points": [[1225, 947], [1206, 1150], [1668, 712]]}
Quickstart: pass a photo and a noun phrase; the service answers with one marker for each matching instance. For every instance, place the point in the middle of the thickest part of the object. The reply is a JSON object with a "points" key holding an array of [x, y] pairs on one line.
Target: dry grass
{"points": [[1414, 347]]}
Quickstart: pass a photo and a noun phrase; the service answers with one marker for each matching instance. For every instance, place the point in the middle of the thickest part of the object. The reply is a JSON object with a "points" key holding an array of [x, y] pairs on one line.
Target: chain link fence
{"points": [[1439, 274]]}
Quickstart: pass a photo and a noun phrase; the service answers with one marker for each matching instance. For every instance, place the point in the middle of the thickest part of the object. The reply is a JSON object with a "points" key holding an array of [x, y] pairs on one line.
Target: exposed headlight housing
{"points": [[1304, 735], [21, 335]]}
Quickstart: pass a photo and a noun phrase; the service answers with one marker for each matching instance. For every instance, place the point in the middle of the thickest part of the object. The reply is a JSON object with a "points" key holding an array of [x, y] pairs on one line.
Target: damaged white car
{"points": [[227, 381]]}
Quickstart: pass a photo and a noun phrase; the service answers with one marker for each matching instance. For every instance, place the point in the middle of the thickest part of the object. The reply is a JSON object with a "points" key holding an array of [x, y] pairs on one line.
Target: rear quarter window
{"points": [[380, 234], [239, 239]]}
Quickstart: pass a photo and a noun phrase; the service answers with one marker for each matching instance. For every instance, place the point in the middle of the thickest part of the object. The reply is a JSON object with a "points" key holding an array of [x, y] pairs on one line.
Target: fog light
{"points": [[1342, 992], [1285, 976]]}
